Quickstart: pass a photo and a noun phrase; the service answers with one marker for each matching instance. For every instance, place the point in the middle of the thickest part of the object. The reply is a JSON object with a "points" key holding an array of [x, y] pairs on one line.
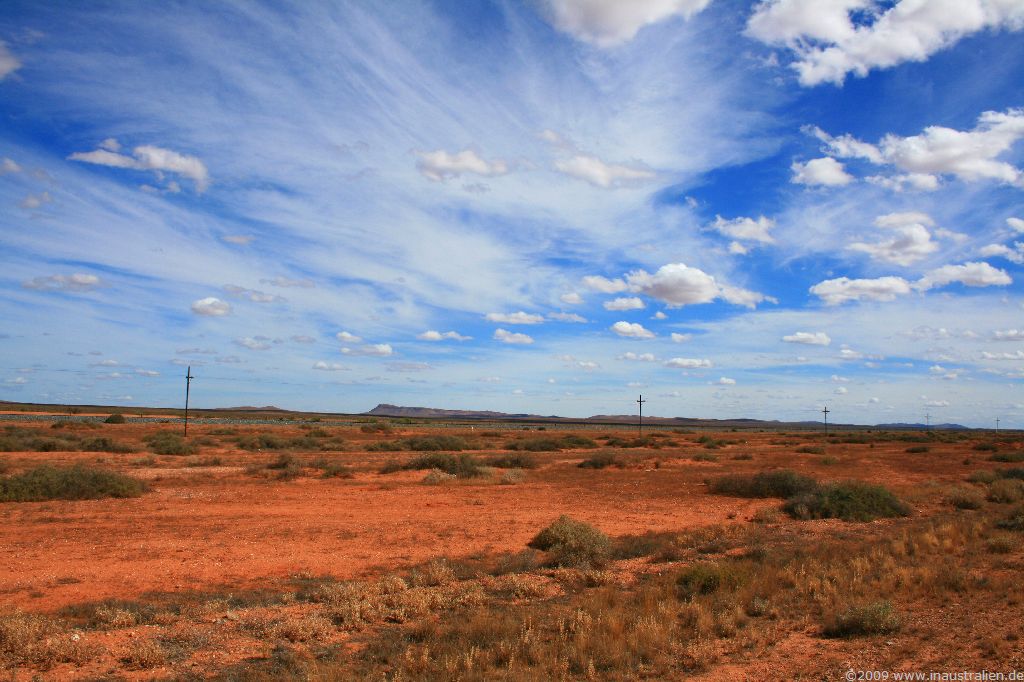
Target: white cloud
{"points": [[824, 171], [512, 337], [681, 338], [567, 317], [9, 166], [603, 284], [828, 44], [841, 390], [147, 372], [34, 201], [1014, 255], [8, 62], [638, 357], [1008, 335], [110, 144], [302, 338], [633, 330], [1015, 356], [747, 229], [659, 316], [288, 282], [624, 303], [607, 23], [675, 284], [254, 342], [440, 165], [808, 338], [432, 335], [238, 239], [921, 182], [348, 337], [839, 380], [688, 363], [520, 317], [149, 157], [847, 353], [843, 289], [737, 249], [16, 381], [252, 294], [912, 242], [571, 298], [381, 350], [937, 403], [587, 365], [600, 174], [968, 274], [74, 282], [744, 297], [726, 381], [329, 366], [1015, 224]]}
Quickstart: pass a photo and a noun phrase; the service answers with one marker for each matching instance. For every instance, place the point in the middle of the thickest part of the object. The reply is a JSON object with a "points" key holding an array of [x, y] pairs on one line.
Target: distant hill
{"points": [[248, 408], [922, 427]]}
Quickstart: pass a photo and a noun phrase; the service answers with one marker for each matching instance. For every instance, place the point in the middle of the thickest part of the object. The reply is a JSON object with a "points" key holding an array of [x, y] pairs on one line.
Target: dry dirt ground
{"points": [[205, 574]]}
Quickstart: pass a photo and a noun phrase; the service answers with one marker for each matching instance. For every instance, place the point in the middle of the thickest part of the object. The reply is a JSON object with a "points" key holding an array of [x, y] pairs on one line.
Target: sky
{"points": [[735, 209]]}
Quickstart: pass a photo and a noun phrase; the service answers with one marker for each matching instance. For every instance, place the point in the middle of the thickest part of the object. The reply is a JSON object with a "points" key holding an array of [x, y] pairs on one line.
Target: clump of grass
{"points": [[877, 618], [435, 443], [104, 444], [705, 457], [437, 477], [982, 476], [641, 442], [601, 460], [743, 457], [1014, 457], [68, 483], [551, 444], [1013, 522], [917, 449], [811, 449], [828, 460], [376, 427], [573, 543], [196, 462], [512, 477], [849, 501], [1016, 473], [1005, 491], [512, 461], [784, 483], [336, 470], [707, 578], [145, 654], [966, 498], [1002, 544], [168, 443], [985, 447], [31, 639], [116, 418], [463, 465]]}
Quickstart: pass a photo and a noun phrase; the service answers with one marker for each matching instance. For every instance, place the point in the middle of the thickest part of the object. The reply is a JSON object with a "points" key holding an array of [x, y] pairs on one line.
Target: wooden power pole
{"points": [[825, 412], [640, 403], [188, 384]]}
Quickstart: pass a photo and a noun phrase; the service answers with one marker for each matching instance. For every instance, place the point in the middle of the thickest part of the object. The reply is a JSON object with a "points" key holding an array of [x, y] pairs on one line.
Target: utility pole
{"points": [[825, 412], [927, 421], [997, 423], [188, 383], [640, 402]]}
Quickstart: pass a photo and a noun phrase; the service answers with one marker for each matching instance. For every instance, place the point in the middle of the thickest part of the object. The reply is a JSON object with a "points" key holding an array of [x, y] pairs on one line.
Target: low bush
{"points": [[168, 443], [705, 457], [512, 477], [917, 449], [642, 442], [1016, 473], [68, 483], [782, 484], [516, 461], [463, 466], [573, 543], [878, 618], [115, 418], [1005, 491], [551, 444], [985, 447], [600, 461], [743, 456], [811, 450], [982, 476], [335, 470], [707, 578], [435, 443], [1014, 457], [104, 444], [849, 501], [376, 427], [1013, 522], [966, 498]]}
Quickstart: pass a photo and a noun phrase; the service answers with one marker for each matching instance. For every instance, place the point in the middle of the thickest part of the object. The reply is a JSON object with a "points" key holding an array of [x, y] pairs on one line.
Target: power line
{"points": [[825, 412]]}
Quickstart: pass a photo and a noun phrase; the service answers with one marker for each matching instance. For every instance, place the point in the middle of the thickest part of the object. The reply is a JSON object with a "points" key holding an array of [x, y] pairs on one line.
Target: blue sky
{"points": [[739, 209]]}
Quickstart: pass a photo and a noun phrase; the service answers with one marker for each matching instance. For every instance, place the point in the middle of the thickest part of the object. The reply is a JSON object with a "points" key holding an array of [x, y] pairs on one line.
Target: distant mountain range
{"points": [[386, 410]]}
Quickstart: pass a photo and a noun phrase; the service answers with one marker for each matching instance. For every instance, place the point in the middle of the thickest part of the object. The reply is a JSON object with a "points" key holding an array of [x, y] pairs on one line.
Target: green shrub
{"points": [[573, 543], [707, 578], [600, 461], [811, 450], [68, 483], [705, 457], [104, 444], [917, 449], [1016, 473], [261, 441], [849, 501], [435, 443], [985, 447], [517, 461], [535, 445], [572, 441], [784, 483], [1014, 457], [463, 466], [743, 456], [115, 418], [376, 427], [877, 618], [168, 443]]}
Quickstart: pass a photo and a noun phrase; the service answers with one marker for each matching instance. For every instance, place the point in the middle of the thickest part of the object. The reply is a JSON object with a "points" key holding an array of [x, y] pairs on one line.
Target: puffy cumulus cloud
{"points": [[8, 62], [726, 381], [254, 342], [744, 297], [808, 338], [288, 282], [252, 294], [1016, 356], [432, 335], [1015, 224], [329, 366], [567, 317], [600, 174], [512, 338], [831, 39], [969, 274], [440, 165], [633, 330], [688, 363], [152, 158], [825, 171], [520, 317], [843, 289], [34, 201], [624, 303], [1008, 335], [607, 23], [1014, 254], [677, 284], [970, 155], [348, 337], [638, 357], [604, 285], [380, 350], [681, 338], [75, 282], [572, 298], [659, 316], [746, 229], [911, 243]]}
